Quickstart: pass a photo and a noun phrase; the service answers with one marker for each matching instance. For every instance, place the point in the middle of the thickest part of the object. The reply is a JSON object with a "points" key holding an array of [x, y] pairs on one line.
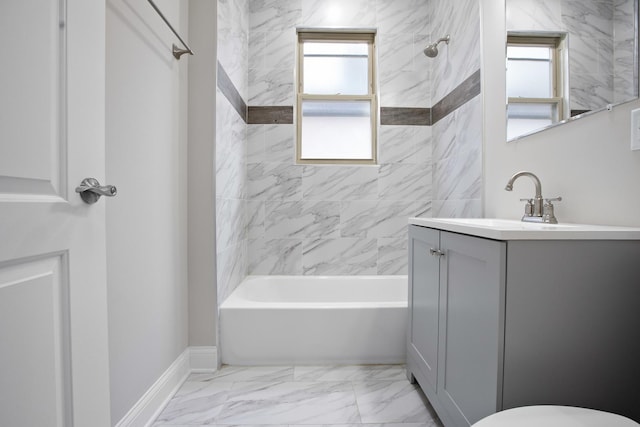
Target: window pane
{"points": [[329, 48], [529, 52], [336, 130], [537, 111], [529, 79], [525, 118], [336, 68]]}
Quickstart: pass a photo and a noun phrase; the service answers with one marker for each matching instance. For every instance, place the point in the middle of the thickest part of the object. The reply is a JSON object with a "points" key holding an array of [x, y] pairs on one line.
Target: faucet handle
{"points": [[548, 215], [528, 207]]}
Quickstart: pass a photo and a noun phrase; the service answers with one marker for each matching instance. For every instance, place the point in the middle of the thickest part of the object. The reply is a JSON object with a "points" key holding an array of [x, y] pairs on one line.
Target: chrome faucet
{"points": [[534, 209]]}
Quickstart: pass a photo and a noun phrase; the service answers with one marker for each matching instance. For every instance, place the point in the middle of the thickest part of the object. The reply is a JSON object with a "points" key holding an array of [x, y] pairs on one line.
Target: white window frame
{"points": [[556, 43], [371, 96]]}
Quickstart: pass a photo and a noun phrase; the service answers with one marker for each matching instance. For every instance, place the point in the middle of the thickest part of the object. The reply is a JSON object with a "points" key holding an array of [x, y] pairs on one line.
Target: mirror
{"points": [[567, 59]]}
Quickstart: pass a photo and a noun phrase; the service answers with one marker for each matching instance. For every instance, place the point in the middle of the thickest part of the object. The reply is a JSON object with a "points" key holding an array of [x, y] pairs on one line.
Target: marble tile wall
{"points": [[458, 60], [457, 162], [283, 218], [331, 220], [321, 219], [233, 35], [601, 44], [231, 148], [457, 137], [624, 86]]}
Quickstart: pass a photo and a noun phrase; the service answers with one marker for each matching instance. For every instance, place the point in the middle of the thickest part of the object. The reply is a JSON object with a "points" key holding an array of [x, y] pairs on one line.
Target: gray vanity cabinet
{"points": [[424, 308], [498, 324], [454, 342]]}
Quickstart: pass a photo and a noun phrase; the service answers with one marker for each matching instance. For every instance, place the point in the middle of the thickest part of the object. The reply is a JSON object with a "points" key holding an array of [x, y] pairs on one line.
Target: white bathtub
{"points": [[277, 320]]}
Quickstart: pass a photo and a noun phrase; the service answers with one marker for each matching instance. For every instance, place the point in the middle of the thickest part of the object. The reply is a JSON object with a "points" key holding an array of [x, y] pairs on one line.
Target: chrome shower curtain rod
{"points": [[177, 52]]}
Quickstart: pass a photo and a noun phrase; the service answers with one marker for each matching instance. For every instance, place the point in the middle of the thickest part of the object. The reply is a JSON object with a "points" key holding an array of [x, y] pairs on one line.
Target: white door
{"points": [[53, 316]]}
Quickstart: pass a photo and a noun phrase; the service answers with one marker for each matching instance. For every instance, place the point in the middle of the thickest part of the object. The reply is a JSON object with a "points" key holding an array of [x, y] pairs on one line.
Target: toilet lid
{"points": [[554, 416]]}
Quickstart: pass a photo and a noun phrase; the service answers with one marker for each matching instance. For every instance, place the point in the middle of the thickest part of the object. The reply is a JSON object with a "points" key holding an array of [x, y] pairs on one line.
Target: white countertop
{"points": [[508, 229]]}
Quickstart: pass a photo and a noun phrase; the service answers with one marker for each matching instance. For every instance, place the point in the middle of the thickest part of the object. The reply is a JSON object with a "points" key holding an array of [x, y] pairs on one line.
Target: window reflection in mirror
{"points": [[535, 81], [598, 55]]}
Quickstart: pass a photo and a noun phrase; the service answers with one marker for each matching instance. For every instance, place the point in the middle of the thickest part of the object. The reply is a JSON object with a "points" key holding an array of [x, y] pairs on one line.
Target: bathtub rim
{"points": [[234, 301]]}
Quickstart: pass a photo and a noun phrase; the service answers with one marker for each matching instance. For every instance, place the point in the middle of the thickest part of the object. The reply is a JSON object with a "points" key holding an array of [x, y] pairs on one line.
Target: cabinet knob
{"points": [[436, 252]]}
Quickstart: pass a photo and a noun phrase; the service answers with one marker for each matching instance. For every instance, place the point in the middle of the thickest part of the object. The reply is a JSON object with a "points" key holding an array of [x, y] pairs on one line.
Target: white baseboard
{"points": [[193, 359]]}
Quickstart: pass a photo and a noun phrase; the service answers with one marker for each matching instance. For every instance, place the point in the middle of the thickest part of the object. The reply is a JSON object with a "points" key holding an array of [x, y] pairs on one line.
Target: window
{"points": [[534, 83], [336, 100]]}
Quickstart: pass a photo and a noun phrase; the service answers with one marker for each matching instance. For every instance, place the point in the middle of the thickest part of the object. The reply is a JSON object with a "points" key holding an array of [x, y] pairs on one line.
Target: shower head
{"points": [[432, 50]]}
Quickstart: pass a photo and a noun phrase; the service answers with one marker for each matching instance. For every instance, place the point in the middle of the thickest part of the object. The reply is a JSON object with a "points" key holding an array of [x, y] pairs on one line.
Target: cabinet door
{"points": [[471, 317], [424, 293]]}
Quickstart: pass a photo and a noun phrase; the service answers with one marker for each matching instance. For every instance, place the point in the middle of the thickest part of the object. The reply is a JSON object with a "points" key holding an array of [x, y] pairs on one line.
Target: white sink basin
{"points": [[510, 229]]}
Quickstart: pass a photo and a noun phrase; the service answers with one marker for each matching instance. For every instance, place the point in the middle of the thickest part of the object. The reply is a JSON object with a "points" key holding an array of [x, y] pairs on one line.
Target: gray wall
{"points": [[146, 158], [201, 208]]}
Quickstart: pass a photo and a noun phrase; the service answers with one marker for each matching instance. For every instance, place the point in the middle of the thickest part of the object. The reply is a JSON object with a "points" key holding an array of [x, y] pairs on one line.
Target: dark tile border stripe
{"points": [[388, 115], [229, 90], [405, 116], [270, 115], [465, 92]]}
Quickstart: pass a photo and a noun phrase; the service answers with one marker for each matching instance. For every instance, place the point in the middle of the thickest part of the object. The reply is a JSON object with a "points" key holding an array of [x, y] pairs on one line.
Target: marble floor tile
{"points": [[235, 425], [290, 403], [303, 425], [179, 425], [392, 402], [325, 425], [350, 373], [195, 403], [286, 391], [300, 396], [253, 373], [201, 377], [432, 423]]}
